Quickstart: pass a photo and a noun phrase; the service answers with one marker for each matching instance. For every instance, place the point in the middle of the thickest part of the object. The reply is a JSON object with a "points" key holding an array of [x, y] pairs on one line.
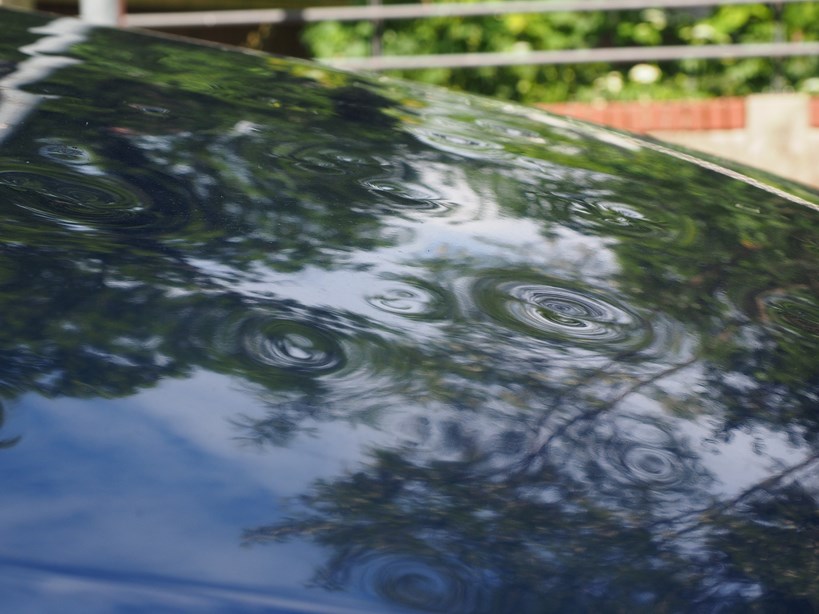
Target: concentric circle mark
{"points": [[402, 301], [652, 466], [615, 455], [418, 583], [340, 159], [638, 452], [360, 366], [67, 196], [292, 345], [413, 299], [461, 139], [620, 219], [561, 314], [330, 156], [406, 196], [280, 342], [89, 202], [545, 306]]}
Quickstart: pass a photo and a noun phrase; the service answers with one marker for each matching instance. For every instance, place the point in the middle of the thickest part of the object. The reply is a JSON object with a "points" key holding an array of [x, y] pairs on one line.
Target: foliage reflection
{"points": [[559, 338]]}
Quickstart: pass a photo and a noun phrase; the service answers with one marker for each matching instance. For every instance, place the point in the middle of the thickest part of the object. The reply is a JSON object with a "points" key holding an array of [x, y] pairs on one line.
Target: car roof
{"points": [[279, 337]]}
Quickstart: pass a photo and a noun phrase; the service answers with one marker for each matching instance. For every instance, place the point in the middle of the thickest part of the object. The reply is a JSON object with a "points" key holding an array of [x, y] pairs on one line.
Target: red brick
{"points": [[814, 112], [717, 114]]}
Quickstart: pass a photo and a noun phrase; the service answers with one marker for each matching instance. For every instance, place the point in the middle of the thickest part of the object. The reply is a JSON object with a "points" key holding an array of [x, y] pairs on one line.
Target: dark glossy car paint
{"points": [[279, 338]]}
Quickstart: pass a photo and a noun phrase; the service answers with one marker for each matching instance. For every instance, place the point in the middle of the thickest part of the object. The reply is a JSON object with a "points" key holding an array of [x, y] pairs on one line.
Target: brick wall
{"points": [[778, 133], [716, 114]]}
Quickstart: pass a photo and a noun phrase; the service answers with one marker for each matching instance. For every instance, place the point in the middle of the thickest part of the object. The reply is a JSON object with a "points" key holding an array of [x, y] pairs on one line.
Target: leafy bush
{"points": [[510, 33]]}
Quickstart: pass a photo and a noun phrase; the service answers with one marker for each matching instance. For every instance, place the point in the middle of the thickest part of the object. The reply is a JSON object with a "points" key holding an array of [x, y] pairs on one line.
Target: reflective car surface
{"points": [[281, 338]]}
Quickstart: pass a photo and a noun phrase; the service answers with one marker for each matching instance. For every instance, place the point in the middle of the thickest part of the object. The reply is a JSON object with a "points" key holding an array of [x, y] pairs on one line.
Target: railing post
{"points": [[378, 32], [102, 12], [778, 81]]}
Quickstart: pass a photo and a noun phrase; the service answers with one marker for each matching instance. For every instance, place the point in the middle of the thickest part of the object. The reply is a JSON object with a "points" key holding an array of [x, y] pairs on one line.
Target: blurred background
{"points": [[733, 78]]}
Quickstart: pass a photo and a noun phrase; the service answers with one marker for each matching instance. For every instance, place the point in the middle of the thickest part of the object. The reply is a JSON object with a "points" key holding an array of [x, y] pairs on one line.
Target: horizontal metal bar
{"points": [[577, 56], [406, 11]]}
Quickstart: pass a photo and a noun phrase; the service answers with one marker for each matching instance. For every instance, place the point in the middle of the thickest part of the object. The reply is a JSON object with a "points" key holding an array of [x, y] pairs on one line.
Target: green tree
{"points": [[689, 78]]}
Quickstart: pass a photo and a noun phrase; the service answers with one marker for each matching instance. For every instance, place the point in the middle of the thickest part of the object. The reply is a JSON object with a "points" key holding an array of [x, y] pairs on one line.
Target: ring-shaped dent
{"points": [[417, 582], [274, 340], [414, 299], [94, 203], [625, 455], [554, 310]]}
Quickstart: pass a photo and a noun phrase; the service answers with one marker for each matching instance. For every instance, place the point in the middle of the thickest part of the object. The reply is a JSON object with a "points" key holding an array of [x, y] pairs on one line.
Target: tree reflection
{"points": [[775, 525], [547, 541], [557, 337]]}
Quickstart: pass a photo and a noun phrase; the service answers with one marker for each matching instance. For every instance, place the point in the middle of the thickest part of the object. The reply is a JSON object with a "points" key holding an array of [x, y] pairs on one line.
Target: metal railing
{"points": [[377, 12], [103, 12], [380, 12]]}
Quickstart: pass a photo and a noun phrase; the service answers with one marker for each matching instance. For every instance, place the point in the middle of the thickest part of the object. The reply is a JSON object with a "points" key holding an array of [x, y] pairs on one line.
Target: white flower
{"points": [[811, 86], [644, 73], [611, 83], [656, 17], [704, 32], [521, 47]]}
